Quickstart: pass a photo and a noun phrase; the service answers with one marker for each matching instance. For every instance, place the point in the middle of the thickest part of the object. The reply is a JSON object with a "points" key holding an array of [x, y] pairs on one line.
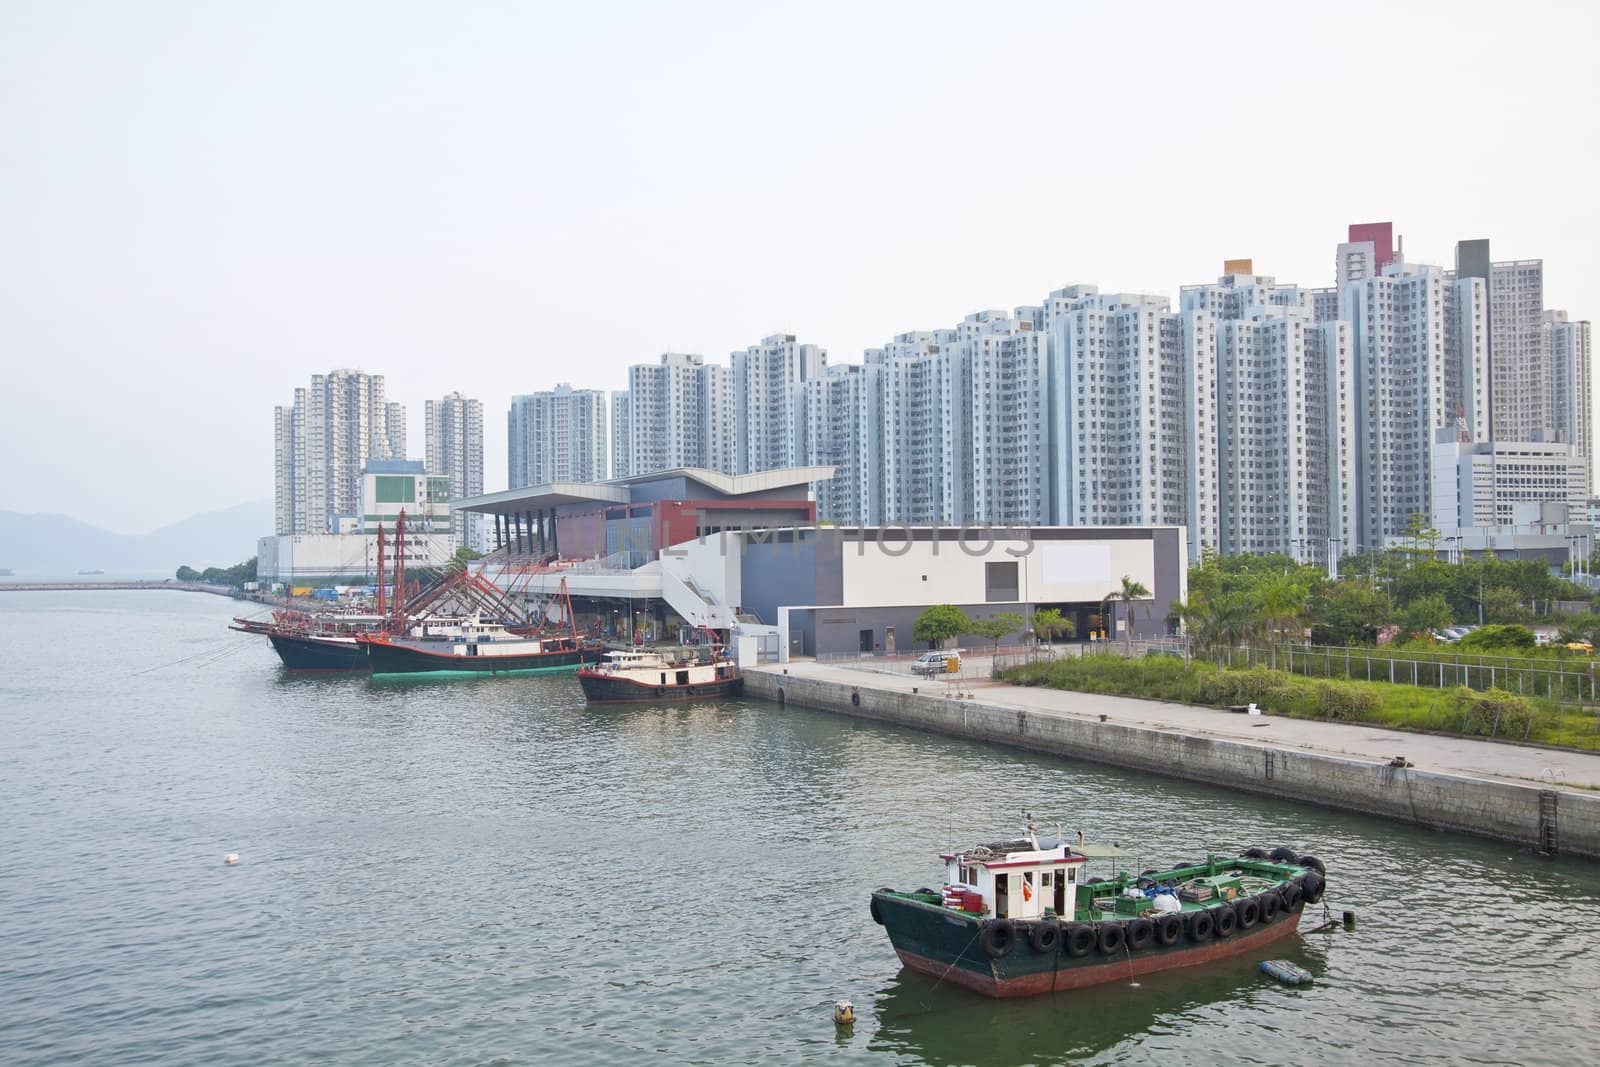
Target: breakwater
{"points": [[1547, 817]]}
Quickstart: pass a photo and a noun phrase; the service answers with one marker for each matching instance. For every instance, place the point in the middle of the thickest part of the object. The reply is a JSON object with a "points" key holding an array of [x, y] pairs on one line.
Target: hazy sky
{"points": [[202, 204]]}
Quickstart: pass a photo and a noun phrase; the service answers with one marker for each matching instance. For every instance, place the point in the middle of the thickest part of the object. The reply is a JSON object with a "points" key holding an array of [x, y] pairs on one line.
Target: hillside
{"points": [[60, 543]]}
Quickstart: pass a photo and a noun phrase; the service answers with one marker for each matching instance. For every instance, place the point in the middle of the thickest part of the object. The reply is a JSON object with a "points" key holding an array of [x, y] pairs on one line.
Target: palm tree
{"points": [[1130, 591], [1282, 605]]}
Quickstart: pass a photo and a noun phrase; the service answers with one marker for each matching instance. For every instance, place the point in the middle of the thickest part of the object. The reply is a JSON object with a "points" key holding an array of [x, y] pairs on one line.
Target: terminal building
{"points": [[659, 557]]}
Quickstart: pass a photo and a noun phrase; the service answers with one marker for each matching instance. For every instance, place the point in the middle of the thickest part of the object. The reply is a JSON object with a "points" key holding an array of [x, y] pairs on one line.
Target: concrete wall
{"points": [[1498, 810]]}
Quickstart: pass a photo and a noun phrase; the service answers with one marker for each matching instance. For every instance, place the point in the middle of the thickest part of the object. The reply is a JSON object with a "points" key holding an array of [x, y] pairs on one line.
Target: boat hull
{"points": [[944, 943], [600, 689], [301, 652], [403, 659]]}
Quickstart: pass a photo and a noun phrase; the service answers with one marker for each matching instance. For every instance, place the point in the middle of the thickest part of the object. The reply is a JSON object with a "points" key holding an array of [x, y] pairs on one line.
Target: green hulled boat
{"points": [[1023, 916]]}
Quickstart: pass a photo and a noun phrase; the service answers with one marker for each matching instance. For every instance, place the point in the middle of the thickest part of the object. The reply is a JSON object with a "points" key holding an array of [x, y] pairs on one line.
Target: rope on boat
{"points": [[214, 654], [957, 960]]}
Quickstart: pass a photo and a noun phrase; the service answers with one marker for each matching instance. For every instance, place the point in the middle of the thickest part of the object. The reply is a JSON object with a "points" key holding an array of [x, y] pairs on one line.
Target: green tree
{"points": [[1503, 603], [996, 626], [1128, 593], [187, 573], [939, 623], [1425, 614], [1350, 612], [1049, 622]]}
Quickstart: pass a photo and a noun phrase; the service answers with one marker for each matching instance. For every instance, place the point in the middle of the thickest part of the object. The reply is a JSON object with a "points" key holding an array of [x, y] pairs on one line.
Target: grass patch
{"points": [[1459, 711]]}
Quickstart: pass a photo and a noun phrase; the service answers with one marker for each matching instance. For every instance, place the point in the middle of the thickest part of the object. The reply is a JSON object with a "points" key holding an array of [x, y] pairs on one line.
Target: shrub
{"points": [[1493, 713], [1345, 703]]}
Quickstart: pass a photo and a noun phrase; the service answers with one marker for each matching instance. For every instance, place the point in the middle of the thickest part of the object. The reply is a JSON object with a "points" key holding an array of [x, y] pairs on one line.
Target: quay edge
{"points": [[1525, 815]]}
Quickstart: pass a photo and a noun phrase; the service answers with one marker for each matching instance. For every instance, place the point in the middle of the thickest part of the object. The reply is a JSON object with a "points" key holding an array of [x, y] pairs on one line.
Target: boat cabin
{"points": [[1026, 878]]}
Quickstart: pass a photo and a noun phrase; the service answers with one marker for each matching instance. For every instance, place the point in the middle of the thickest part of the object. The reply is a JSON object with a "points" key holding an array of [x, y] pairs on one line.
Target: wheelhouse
{"points": [[1025, 878]]}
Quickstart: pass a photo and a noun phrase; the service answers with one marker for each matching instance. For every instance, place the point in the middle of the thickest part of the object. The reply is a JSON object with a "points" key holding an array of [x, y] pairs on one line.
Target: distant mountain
{"points": [[61, 543]]}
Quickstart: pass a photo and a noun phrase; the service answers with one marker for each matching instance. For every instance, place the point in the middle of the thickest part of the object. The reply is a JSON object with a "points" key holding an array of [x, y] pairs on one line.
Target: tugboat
{"points": [[1017, 917], [649, 677]]}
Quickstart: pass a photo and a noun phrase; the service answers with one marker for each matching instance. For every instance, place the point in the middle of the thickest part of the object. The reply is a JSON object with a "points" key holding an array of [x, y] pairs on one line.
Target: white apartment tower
{"points": [[1269, 389], [676, 414], [762, 376], [322, 442], [1118, 408], [621, 435], [1416, 371], [837, 421], [1008, 420], [557, 435], [1567, 348], [455, 451], [918, 436]]}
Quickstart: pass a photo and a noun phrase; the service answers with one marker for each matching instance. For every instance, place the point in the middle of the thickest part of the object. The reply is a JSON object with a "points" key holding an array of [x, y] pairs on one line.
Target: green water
{"points": [[483, 870]]}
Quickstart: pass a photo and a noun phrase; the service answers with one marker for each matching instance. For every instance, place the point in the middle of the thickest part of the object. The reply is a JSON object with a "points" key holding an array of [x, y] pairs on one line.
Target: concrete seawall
{"points": [[1530, 815]]}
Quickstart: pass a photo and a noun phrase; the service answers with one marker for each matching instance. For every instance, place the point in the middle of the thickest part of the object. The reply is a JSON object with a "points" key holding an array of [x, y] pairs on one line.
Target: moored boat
{"points": [[322, 642], [1020, 917], [634, 677], [474, 646]]}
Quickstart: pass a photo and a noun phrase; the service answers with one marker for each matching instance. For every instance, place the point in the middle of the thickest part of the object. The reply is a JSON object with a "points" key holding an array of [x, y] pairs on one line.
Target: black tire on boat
{"points": [[877, 915], [1227, 920], [1253, 854], [1110, 937], [1271, 906], [1147, 873], [1313, 883], [1045, 937], [1282, 855], [1140, 933], [1293, 897], [1201, 927], [997, 938], [1094, 881], [926, 892], [1248, 911], [1314, 863], [1080, 940], [1168, 929]]}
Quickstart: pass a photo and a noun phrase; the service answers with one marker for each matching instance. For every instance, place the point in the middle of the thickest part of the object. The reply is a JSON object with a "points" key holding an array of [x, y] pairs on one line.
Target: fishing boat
{"points": [[250, 626], [1018, 917], [474, 646], [637, 677], [326, 641]]}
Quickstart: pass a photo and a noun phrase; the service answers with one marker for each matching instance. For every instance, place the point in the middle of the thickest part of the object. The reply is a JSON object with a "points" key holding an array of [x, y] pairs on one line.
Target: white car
{"points": [[940, 661]]}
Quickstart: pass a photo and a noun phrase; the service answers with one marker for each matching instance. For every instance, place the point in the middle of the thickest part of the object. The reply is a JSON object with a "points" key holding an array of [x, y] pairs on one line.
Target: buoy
{"points": [[231, 859], [1284, 971], [1349, 920], [844, 1013]]}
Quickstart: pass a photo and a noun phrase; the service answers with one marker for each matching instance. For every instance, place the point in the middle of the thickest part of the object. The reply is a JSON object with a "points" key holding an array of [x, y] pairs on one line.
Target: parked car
{"points": [[939, 661]]}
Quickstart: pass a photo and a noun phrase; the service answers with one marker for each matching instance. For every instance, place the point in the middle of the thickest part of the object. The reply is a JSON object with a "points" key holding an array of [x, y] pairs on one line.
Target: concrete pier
{"points": [[1539, 798]]}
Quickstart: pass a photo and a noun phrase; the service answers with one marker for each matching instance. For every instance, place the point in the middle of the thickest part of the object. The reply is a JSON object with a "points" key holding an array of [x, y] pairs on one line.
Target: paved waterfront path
{"points": [[1493, 760]]}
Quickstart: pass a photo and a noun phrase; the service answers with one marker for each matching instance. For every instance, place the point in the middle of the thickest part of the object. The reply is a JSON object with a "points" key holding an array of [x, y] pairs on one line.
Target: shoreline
{"points": [[1456, 784]]}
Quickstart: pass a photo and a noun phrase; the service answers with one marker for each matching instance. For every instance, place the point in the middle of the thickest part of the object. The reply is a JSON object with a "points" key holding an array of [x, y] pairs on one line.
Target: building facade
{"points": [[557, 435], [454, 450], [321, 443], [762, 376]]}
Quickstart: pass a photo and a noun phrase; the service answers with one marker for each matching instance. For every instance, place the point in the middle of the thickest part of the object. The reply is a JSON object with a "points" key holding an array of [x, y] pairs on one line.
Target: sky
{"points": [[203, 204]]}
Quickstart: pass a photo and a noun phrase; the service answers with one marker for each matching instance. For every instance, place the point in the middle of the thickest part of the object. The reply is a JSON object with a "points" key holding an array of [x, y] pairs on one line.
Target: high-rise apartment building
{"points": [[919, 450], [1567, 348], [621, 435], [1259, 456], [321, 443], [1008, 420], [1411, 380], [762, 376], [454, 450], [676, 413], [837, 421], [1119, 408], [557, 435], [1521, 392]]}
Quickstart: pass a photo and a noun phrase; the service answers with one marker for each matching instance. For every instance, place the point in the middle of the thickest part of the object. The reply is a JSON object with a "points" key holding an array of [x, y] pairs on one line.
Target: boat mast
{"points": [[400, 573], [383, 602]]}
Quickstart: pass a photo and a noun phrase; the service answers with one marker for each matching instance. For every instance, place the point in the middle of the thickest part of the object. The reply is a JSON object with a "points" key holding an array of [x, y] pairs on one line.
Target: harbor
{"points": [[423, 874], [1536, 798]]}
